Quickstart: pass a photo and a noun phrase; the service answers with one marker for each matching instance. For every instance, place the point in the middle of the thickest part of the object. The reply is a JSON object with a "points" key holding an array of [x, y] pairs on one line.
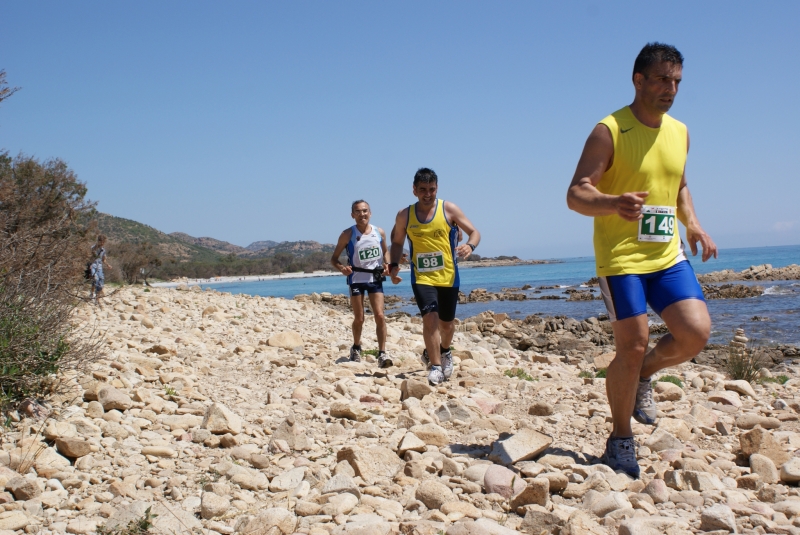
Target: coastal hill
{"points": [[219, 246], [121, 230]]}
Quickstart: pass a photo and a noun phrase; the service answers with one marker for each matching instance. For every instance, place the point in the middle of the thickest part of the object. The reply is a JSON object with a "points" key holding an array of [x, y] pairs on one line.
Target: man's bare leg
{"points": [[689, 327], [376, 303], [357, 302], [622, 377], [447, 329], [430, 333]]}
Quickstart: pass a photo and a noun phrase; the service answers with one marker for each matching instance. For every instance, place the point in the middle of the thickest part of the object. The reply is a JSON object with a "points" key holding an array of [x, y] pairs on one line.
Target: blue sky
{"points": [[249, 121]]}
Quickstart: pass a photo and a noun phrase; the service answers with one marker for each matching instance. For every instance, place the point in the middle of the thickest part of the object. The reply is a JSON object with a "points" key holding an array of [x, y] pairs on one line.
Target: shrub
{"points": [[601, 373], [780, 379], [744, 364], [586, 374], [137, 526], [670, 379], [519, 373], [44, 246]]}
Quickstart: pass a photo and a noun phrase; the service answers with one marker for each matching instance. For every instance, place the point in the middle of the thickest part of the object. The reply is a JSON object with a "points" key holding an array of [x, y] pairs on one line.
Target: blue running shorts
{"points": [[627, 296], [363, 288]]}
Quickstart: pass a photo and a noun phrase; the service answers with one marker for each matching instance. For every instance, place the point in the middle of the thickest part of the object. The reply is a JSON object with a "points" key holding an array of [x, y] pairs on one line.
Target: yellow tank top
{"points": [[432, 246], [645, 159]]}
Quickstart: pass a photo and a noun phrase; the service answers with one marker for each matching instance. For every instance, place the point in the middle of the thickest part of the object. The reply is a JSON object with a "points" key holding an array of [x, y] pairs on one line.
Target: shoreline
{"points": [[324, 273]]}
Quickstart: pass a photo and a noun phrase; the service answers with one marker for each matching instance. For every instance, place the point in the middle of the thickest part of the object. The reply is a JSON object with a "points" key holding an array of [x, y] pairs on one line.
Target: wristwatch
{"points": [[392, 265], [472, 246]]}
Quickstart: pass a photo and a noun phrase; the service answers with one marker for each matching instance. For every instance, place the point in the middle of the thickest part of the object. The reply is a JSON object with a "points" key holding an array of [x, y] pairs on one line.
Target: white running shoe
{"points": [[436, 376]]}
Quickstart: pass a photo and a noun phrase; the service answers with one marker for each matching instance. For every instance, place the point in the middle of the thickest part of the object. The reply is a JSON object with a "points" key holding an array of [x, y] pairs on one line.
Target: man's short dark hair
{"points": [[359, 201], [653, 53], [426, 176]]}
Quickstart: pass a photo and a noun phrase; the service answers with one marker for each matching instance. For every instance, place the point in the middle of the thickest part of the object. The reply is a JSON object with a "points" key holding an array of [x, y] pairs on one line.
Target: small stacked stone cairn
{"points": [[739, 343]]}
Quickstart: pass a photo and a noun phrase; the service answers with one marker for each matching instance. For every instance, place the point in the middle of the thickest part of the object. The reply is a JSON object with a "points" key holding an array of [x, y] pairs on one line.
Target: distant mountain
{"points": [[297, 248], [219, 246], [119, 230], [259, 245], [186, 248]]}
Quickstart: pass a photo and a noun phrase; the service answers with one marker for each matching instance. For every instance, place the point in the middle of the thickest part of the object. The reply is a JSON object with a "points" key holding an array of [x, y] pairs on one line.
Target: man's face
{"points": [[426, 192], [658, 89], [361, 213]]}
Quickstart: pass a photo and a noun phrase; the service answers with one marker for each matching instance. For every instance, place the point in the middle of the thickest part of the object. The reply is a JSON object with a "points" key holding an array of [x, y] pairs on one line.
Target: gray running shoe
{"points": [[644, 411], [447, 364], [355, 355], [384, 361], [425, 360], [436, 376], [620, 454]]}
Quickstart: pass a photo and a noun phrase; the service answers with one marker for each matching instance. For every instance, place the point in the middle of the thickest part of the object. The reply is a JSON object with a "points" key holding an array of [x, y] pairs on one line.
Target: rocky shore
{"points": [[229, 414], [763, 272]]}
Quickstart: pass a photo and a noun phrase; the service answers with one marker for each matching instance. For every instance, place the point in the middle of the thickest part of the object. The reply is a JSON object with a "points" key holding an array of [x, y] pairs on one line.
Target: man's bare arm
{"points": [[694, 232], [583, 195], [398, 237], [457, 217], [344, 237]]}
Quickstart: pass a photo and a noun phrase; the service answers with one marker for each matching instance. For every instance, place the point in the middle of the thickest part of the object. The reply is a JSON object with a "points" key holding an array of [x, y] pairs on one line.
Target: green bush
{"points": [[601, 373], [519, 373], [137, 526], [745, 364], [780, 379], [586, 374]]}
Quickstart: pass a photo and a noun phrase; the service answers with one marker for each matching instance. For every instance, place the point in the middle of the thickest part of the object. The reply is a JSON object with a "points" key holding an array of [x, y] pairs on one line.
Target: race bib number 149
{"points": [[657, 224]]}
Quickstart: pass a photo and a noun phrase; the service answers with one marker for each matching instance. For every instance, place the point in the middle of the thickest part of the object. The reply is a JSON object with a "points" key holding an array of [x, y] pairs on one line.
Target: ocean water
{"points": [[771, 318]]}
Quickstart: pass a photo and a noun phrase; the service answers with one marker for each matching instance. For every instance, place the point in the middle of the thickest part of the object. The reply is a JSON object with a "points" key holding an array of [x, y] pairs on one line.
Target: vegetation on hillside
{"points": [[45, 239]]}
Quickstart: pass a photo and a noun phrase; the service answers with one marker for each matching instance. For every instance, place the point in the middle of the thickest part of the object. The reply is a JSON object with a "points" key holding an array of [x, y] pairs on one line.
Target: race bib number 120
{"points": [[657, 224], [430, 261], [369, 254]]}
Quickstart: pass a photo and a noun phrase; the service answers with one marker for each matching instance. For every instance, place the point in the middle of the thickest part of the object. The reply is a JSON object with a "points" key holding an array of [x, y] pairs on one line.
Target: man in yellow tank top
{"points": [[432, 227], [631, 179]]}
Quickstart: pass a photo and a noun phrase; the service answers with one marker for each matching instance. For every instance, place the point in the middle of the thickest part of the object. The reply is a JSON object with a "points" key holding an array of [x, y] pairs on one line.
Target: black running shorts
{"points": [[442, 300]]}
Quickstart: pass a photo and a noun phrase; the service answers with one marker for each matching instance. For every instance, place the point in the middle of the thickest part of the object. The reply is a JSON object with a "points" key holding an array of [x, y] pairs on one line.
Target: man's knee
{"points": [[380, 318]]}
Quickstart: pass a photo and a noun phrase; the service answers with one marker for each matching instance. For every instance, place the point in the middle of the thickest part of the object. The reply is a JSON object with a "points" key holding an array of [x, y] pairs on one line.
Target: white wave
{"points": [[777, 290]]}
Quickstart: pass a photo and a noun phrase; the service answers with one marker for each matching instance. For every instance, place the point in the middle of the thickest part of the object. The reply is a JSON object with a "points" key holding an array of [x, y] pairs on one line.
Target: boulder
{"points": [[371, 464], [287, 340], [431, 434], [434, 494], [111, 398], [73, 447], [718, 517], [760, 441], [221, 420], [212, 505], [500, 480], [523, 445]]}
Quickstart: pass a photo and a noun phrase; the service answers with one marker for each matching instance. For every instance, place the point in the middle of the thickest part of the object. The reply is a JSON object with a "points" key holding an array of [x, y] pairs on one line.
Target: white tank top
{"points": [[364, 251]]}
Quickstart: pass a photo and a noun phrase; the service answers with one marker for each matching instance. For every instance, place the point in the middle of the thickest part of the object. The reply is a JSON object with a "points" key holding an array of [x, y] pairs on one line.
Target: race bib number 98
{"points": [[657, 224], [430, 261], [369, 254]]}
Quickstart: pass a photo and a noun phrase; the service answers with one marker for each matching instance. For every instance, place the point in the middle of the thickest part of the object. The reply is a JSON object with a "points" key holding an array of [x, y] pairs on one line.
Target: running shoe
{"points": [[355, 355], [436, 376], [644, 411], [447, 364], [425, 360], [620, 454], [384, 361]]}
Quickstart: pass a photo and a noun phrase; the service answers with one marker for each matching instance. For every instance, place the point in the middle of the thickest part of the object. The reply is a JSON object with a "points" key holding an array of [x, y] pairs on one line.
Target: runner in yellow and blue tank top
{"points": [[631, 179], [432, 226], [366, 249]]}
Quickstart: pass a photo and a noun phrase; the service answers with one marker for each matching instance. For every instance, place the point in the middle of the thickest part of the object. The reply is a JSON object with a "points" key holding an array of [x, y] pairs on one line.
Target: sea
{"points": [[772, 318]]}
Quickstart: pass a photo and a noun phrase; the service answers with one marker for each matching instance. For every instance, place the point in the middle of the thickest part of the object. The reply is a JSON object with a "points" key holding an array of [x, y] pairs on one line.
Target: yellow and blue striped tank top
{"points": [[645, 159], [432, 247]]}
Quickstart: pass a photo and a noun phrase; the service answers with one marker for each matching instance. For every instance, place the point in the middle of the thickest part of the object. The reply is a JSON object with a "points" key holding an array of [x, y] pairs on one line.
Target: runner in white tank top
{"points": [[367, 258]]}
